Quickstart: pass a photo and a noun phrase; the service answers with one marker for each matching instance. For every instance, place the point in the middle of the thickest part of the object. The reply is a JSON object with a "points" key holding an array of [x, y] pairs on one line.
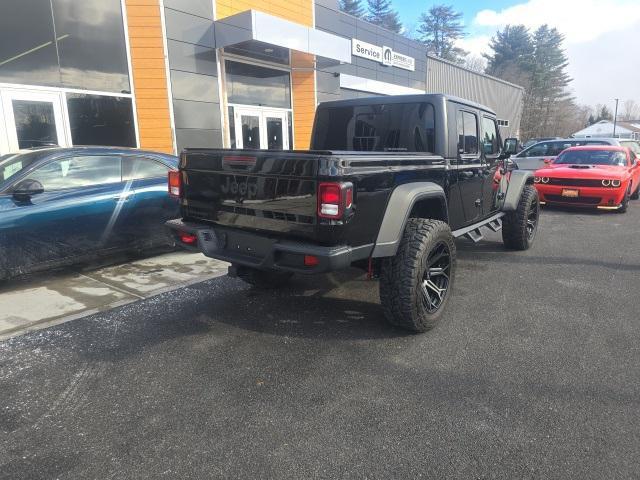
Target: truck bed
{"points": [[275, 191]]}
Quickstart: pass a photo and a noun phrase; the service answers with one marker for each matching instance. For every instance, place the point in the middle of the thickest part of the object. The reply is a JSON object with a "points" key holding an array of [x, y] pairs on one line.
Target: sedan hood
{"points": [[583, 171]]}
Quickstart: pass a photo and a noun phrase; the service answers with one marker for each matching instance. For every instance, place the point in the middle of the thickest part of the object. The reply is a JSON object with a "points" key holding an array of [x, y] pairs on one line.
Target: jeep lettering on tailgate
{"points": [[242, 188]]}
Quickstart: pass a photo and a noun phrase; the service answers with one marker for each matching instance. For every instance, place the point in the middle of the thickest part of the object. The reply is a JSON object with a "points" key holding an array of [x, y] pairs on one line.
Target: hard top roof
{"points": [[418, 98]]}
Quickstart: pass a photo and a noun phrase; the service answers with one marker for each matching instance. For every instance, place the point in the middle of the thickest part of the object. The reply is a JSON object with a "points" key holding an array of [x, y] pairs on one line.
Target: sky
{"points": [[602, 38]]}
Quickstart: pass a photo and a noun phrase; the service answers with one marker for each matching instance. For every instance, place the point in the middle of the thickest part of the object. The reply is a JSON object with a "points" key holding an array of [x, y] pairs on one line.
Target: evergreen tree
{"points": [[381, 14], [604, 114], [352, 7], [512, 56], [439, 29]]}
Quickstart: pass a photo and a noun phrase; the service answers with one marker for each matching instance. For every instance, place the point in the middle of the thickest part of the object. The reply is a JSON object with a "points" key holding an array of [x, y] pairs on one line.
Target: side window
{"points": [[139, 167], [79, 171], [557, 147], [632, 157], [538, 150], [490, 144], [467, 133]]}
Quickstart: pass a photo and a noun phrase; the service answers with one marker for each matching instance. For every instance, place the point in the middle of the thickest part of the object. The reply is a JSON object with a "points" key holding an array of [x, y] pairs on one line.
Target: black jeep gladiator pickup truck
{"points": [[388, 184]]}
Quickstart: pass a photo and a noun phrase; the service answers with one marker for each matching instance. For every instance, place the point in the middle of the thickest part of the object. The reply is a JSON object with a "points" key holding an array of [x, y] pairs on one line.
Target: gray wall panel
{"points": [[196, 138], [193, 86], [202, 8], [189, 28], [193, 73], [192, 58], [339, 23], [505, 99], [202, 115]]}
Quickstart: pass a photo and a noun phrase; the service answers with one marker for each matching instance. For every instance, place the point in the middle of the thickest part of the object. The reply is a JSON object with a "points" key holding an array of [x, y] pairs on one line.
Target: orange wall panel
{"points": [[149, 75]]}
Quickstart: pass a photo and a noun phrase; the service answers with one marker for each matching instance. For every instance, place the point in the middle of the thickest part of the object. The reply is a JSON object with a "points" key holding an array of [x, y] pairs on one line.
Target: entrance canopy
{"points": [[260, 31]]}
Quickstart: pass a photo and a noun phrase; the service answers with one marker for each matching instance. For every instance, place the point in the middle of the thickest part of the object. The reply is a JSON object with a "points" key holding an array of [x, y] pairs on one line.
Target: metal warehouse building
{"points": [[169, 74]]}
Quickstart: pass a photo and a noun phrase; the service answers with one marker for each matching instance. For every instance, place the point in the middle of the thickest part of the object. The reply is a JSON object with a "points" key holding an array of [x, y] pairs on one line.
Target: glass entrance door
{"points": [[261, 128], [32, 119]]}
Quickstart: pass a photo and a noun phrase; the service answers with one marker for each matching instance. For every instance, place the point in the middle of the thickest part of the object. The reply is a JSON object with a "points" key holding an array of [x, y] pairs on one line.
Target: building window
{"points": [[253, 85], [503, 123], [64, 43], [101, 120]]}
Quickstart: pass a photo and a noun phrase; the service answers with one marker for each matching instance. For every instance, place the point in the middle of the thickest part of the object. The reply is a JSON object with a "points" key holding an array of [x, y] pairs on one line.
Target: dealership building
{"points": [[168, 74]]}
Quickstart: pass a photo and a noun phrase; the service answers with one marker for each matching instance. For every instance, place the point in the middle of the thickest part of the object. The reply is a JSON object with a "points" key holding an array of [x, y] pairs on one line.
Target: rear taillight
{"points": [[334, 199], [188, 238], [175, 184]]}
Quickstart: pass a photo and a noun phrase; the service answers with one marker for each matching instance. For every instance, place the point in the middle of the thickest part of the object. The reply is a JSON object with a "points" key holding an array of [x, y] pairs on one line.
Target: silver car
{"points": [[533, 158]]}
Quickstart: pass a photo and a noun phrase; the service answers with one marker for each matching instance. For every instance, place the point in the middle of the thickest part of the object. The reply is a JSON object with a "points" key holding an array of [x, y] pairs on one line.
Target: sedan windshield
{"points": [[591, 157], [13, 163]]}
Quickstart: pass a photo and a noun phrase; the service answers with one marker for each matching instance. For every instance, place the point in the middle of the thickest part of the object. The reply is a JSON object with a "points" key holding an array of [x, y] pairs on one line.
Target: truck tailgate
{"points": [[261, 190]]}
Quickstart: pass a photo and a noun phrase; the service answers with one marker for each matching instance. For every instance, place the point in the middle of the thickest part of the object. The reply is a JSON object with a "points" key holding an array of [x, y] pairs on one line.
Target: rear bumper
{"points": [[265, 252], [587, 196]]}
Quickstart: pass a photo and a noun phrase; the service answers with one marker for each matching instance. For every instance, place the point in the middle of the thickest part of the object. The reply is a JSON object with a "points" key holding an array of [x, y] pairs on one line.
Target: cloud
{"points": [[600, 37], [475, 45], [579, 20]]}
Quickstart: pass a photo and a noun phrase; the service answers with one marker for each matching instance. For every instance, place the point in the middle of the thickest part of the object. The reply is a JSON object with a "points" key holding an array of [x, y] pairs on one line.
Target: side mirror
{"points": [[24, 190], [510, 146]]}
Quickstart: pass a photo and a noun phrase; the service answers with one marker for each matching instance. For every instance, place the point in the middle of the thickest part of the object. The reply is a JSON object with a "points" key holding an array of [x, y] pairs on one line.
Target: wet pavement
{"points": [[43, 300], [533, 374]]}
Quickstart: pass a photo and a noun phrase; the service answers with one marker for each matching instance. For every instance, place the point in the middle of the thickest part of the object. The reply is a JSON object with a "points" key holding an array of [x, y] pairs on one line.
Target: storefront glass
{"points": [[64, 43], [255, 85], [101, 120]]}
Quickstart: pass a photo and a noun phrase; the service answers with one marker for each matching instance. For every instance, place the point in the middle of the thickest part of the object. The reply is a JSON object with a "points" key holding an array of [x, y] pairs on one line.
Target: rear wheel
{"points": [[519, 228], [415, 284], [264, 279]]}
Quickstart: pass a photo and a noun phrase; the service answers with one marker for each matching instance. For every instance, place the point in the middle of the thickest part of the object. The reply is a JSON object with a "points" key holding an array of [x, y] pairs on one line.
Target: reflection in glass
{"points": [[250, 131], [35, 123], [254, 85], [86, 49], [375, 128], [93, 51], [101, 120], [76, 172], [275, 140], [138, 167], [27, 43]]}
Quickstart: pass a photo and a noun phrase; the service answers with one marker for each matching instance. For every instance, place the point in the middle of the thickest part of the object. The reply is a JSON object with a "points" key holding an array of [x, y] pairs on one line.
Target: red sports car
{"points": [[600, 176]]}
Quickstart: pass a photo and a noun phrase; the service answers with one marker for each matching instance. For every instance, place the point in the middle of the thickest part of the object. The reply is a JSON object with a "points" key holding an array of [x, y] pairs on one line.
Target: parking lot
{"points": [[533, 374]]}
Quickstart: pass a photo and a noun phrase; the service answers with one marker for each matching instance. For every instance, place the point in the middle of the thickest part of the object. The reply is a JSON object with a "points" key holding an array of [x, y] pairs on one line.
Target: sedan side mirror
{"points": [[24, 190], [510, 146]]}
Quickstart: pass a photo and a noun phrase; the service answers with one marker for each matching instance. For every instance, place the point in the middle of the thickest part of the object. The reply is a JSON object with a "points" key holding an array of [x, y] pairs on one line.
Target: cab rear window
{"points": [[394, 127]]}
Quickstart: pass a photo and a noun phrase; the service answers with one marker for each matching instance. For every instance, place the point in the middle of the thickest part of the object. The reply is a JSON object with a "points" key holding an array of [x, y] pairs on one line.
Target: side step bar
{"points": [[473, 232]]}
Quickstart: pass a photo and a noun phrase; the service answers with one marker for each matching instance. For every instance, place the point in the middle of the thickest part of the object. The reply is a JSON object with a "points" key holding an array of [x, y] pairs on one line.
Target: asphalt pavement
{"points": [[535, 373]]}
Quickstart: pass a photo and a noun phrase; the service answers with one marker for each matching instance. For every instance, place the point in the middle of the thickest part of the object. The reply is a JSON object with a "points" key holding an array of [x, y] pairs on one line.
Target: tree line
{"points": [[535, 60]]}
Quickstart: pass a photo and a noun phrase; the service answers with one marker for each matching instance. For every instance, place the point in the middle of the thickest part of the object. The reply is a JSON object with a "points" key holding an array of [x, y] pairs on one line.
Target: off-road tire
{"points": [[516, 233], [264, 279], [402, 276]]}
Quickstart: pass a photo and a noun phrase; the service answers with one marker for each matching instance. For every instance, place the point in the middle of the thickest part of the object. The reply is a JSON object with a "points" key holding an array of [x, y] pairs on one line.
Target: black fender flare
{"points": [[517, 181], [400, 204]]}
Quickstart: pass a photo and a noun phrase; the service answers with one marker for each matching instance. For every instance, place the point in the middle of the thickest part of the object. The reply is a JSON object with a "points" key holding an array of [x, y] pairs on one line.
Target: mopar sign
{"points": [[384, 55]]}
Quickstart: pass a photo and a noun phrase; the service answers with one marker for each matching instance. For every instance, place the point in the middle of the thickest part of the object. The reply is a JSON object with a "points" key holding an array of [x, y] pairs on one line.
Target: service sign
{"points": [[383, 55]]}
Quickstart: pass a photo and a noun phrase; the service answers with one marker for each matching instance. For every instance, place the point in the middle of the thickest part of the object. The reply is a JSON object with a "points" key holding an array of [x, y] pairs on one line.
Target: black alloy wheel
{"points": [[435, 281]]}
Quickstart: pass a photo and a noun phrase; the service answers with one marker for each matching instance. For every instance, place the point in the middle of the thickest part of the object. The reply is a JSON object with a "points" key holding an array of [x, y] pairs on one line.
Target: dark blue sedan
{"points": [[64, 205]]}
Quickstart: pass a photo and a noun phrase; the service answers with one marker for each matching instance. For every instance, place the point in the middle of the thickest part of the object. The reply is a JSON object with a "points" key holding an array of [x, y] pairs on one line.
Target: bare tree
{"points": [[475, 63], [630, 111]]}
